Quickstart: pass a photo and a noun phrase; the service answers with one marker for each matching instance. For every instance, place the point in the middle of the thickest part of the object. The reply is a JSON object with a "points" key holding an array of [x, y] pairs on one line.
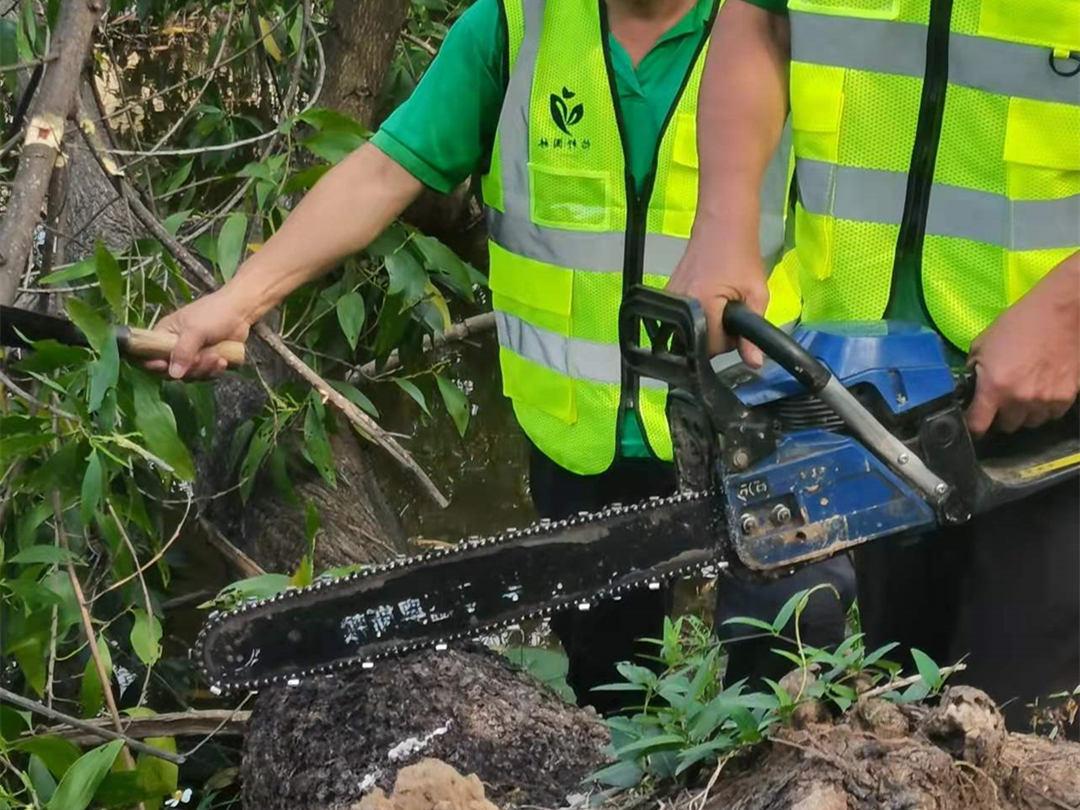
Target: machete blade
{"points": [[478, 586], [21, 327]]}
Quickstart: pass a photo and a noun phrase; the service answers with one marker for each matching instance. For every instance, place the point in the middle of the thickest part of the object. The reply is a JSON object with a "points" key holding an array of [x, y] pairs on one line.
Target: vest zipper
{"points": [[637, 211], [910, 240]]}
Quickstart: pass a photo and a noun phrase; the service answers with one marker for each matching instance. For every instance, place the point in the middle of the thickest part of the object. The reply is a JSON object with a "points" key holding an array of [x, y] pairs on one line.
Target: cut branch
{"points": [[44, 132], [92, 729], [456, 333], [219, 722]]}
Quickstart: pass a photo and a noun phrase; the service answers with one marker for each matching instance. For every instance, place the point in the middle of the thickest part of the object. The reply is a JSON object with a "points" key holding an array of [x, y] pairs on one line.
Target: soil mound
{"points": [[326, 744]]}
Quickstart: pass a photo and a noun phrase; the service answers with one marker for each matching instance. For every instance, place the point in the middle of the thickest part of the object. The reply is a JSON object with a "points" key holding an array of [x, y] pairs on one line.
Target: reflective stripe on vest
{"points": [[1002, 207], [872, 195]]}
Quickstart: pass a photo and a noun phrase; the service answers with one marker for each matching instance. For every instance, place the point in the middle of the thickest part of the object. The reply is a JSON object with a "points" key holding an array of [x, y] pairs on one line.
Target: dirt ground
{"points": [[464, 731], [956, 756]]}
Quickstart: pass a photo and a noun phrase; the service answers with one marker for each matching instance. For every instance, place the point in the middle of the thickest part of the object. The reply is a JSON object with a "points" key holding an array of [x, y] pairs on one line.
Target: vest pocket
{"points": [[533, 301], [817, 105], [1042, 170], [575, 199]]}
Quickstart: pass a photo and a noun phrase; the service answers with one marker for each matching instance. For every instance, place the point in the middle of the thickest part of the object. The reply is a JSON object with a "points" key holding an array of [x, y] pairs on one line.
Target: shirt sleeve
{"points": [[775, 6], [444, 131]]}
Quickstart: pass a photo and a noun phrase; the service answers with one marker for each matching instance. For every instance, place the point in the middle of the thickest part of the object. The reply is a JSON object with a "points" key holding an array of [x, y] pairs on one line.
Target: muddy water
{"points": [[485, 474]]}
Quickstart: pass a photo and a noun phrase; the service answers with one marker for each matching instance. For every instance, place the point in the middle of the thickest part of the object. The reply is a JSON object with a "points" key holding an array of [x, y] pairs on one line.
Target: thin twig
{"points": [[93, 728], [420, 43], [892, 686], [24, 394], [141, 569], [238, 559], [89, 633], [147, 606], [457, 332]]}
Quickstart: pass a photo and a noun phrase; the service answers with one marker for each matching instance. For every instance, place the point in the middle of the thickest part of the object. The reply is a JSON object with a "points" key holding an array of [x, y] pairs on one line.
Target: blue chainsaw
{"points": [[849, 433]]}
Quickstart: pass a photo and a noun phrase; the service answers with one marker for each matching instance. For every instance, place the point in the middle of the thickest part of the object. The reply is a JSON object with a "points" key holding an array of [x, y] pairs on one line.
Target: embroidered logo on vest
{"points": [[562, 114]]}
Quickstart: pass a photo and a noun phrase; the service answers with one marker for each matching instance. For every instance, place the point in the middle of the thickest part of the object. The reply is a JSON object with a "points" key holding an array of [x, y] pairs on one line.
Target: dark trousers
{"points": [[596, 640], [1002, 592]]}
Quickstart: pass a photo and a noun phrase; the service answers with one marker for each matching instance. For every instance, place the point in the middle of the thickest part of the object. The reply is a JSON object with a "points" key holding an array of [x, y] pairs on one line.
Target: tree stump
{"points": [[327, 743]]}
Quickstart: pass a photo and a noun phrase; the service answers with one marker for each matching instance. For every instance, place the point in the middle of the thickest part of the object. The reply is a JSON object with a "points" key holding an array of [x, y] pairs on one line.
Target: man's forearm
{"points": [[345, 211], [741, 112]]}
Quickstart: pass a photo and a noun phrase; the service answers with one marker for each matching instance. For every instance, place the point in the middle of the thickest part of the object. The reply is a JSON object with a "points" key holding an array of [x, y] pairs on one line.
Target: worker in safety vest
{"points": [[937, 147], [583, 120]]}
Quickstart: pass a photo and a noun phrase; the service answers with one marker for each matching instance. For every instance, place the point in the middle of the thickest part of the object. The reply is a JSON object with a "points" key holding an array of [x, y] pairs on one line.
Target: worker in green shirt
{"points": [[582, 118], [937, 150]]}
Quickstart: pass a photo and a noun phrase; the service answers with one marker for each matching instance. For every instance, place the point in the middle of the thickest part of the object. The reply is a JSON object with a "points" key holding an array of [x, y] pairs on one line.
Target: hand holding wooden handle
{"points": [[147, 345]]}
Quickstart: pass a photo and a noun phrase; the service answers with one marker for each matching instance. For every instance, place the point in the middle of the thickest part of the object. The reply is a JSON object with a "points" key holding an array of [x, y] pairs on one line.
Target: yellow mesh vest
{"points": [[565, 235], [1000, 206]]}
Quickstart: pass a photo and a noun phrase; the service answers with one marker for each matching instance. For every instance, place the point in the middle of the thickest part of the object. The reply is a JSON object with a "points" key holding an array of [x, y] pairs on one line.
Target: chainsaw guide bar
{"points": [[479, 586]]}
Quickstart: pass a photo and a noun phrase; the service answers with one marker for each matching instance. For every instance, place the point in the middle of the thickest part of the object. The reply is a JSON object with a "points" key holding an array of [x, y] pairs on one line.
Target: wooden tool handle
{"points": [[149, 345]]}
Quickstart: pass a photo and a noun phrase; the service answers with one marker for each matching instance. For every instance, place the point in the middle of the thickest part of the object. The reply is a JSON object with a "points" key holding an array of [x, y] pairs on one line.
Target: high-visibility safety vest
{"points": [[940, 132], [568, 233]]}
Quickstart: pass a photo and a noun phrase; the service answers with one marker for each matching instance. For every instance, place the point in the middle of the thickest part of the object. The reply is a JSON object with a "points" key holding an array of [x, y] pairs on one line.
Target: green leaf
{"points": [[49, 555], [317, 446], [457, 404], [15, 446], [356, 396], [81, 269], [442, 259], [230, 244], [622, 775], [58, 754], [749, 621], [350, 313], [259, 587], [647, 745], [93, 484], [407, 277], [91, 695], [637, 674], [409, 387], [104, 374], [97, 331], [786, 612], [929, 671], [48, 355], [324, 118], [76, 790], [146, 637], [547, 666], [253, 459], [155, 421], [333, 145], [110, 279]]}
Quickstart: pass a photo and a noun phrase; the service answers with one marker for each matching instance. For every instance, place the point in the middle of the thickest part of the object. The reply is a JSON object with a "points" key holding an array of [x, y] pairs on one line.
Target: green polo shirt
{"points": [[444, 132]]}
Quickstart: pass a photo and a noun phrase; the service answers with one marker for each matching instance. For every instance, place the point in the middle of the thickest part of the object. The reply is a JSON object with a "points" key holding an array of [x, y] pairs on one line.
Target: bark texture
{"points": [[325, 744], [359, 47], [45, 126]]}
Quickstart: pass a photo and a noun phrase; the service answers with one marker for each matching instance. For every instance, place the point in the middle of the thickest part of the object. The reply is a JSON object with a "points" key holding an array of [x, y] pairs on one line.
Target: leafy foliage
{"points": [[98, 457], [689, 717]]}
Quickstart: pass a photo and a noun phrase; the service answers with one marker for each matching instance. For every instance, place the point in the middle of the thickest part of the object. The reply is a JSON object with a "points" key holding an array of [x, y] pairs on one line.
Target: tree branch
{"points": [[44, 133], [197, 723], [92, 729]]}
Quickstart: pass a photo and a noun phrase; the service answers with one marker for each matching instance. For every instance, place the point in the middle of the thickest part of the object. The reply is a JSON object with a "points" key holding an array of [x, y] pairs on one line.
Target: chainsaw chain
{"points": [[293, 598]]}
